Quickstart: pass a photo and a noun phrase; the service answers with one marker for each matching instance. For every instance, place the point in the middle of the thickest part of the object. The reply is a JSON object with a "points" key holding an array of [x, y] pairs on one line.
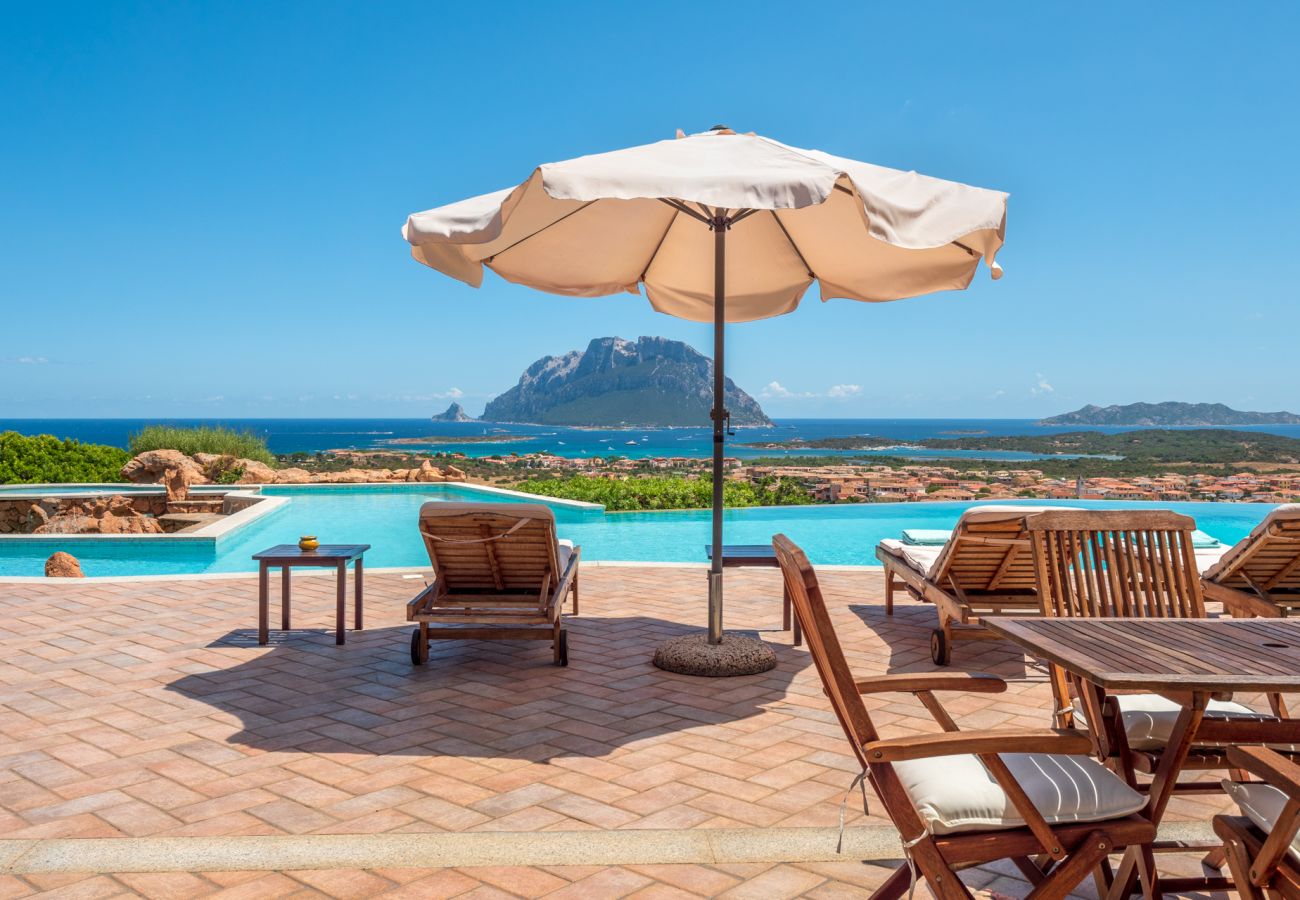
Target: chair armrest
{"points": [[1269, 765], [953, 743], [911, 683]]}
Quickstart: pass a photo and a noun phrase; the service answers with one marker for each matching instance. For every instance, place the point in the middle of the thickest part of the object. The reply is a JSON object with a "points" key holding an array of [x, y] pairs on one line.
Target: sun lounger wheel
{"points": [[562, 649], [940, 648], [419, 650]]}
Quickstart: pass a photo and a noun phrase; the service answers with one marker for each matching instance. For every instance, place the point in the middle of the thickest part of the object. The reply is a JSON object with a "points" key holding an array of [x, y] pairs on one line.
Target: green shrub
{"points": [[203, 439], [648, 493], [44, 459]]}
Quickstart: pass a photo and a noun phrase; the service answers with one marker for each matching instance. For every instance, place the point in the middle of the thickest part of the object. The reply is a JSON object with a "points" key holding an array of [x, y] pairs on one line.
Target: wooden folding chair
{"points": [[965, 798], [1261, 846], [499, 572]]}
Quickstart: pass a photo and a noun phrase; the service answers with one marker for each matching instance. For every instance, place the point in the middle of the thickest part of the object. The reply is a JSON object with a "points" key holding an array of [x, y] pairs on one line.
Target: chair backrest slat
{"points": [[1108, 563], [837, 678]]}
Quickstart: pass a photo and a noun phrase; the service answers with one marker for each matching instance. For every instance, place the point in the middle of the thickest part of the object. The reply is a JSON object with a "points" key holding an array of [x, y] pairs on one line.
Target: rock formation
{"points": [[454, 413], [150, 467], [63, 565]]}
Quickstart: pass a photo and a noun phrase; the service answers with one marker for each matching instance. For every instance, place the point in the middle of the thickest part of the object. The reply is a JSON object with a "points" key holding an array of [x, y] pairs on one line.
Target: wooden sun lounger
{"points": [[500, 573], [1260, 576], [985, 568]]}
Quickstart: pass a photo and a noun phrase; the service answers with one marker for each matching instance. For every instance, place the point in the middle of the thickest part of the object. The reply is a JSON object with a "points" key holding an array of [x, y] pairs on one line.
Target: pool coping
{"points": [[407, 571]]}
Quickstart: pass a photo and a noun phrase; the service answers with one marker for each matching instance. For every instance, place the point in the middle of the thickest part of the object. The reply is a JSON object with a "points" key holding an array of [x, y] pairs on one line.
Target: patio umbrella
{"points": [[719, 227]]}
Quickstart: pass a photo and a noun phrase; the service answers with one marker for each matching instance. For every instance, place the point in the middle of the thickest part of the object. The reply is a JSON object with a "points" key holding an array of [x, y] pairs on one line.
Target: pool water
{"points": [[385, 517]]}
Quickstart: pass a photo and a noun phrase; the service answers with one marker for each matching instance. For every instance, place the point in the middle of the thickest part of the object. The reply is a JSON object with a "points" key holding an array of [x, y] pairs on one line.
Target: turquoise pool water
{"points": [[385, 518]]}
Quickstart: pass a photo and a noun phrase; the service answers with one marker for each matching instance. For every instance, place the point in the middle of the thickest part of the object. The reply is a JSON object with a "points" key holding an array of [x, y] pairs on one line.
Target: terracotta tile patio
{"points": [[146, 709]]}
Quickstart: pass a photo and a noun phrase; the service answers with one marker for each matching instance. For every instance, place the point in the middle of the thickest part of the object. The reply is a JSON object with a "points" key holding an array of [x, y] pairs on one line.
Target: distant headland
{"points": [[1170, 415]]}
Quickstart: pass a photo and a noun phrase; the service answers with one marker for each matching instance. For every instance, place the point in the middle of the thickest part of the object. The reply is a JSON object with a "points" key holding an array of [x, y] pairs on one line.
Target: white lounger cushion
{"points": [[1262, 804], [956, 793], [920, 557], [1149, 718]]}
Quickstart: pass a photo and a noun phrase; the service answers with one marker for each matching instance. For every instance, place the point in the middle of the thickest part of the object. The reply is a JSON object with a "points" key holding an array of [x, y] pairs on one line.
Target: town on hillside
{"points": [[866, 483]]}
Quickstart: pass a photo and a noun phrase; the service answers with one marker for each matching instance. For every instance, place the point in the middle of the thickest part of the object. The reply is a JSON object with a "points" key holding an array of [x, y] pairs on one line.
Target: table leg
{"points": [[356, 600], [284, 597], [340, 600], [1162, 789], [263, 613]]}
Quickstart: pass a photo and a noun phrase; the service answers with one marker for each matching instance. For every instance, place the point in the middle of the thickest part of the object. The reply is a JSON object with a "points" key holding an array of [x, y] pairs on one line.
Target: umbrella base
{"points": [[692, 654]]}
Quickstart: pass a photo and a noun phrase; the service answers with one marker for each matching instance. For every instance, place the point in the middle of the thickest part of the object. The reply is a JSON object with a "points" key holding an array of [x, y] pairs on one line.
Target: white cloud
{"points": [[998, 393], [25, 360], [1041, 386], [777, 391]]}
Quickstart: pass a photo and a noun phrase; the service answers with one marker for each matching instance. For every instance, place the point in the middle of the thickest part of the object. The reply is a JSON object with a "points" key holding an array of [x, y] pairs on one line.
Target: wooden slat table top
{"points": [[1165, 654], [736, 555], [325, 553]]}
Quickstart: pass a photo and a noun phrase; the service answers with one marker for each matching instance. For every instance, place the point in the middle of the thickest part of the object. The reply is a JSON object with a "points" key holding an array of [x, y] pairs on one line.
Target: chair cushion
{"points": [[1262, 804], [1149, 718], [917, 557], [956, 793], [928, 537], [564, 549]]}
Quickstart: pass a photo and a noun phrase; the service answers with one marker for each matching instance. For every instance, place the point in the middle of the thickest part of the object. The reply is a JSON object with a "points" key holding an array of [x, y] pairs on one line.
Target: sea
{"points": [[487, 438]]}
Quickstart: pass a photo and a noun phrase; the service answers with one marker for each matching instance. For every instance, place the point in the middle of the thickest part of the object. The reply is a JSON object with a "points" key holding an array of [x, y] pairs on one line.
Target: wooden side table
{"points": [[286, 557], [739, 556]]}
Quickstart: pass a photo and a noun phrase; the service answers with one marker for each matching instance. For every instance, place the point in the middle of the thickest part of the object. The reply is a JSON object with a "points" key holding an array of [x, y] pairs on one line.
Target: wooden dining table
{"points": [[1187, 660]]}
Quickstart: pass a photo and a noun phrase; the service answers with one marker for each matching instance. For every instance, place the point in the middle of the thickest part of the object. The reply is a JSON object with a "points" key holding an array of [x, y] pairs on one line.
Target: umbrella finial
{"points": [[721, 129]]}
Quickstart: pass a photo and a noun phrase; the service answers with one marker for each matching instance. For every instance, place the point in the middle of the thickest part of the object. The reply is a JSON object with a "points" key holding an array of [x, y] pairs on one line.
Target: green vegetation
{"points": [[203, 439], [667, 492], [1210, 451], [44, 459]]}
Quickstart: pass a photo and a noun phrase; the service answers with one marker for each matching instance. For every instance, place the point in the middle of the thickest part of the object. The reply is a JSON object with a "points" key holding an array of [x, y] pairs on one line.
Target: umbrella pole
{"points": [[719, 225], [704, 653]]}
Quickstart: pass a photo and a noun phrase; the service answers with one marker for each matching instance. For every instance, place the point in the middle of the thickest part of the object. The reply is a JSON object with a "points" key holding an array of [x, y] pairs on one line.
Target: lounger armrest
{"points": [[566, 577], [1269, 765], [420, 601], [953, 743], [911, 683]]}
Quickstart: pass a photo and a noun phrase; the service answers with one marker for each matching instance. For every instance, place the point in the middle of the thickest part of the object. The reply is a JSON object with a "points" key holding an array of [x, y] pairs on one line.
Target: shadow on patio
{"points": [[476, 699]]}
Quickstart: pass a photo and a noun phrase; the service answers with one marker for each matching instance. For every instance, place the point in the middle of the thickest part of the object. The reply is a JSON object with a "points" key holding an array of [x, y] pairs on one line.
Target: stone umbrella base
{"points": [[692, 654]]}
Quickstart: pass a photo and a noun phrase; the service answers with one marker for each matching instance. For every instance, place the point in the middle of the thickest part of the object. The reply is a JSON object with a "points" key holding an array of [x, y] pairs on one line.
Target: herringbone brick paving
{"points": [[147, 709]]}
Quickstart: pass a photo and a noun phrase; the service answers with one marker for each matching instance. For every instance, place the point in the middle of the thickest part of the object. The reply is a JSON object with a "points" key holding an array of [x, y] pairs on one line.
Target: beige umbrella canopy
{"points": [[720, 227], [606, 223]]}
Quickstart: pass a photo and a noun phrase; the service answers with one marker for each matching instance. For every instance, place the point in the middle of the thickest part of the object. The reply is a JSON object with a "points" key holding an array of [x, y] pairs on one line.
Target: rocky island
{"points": [[650, 382], [454, 413], [1170, 415]]}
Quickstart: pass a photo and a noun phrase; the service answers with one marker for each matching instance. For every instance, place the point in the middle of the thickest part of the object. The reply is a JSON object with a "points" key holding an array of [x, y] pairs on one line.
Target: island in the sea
{"points": [[1170, 415], [454, 413], [650, 382]]}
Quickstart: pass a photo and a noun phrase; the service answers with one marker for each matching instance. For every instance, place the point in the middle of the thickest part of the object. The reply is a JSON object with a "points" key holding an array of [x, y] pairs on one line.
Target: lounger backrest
{"points": [[491, 547], [837, 678], [1106, 563], [988, 551], [1268, 560]]}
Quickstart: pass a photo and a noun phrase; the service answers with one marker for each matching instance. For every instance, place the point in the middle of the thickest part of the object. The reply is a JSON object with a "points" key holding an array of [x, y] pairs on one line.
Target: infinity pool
{"points": [[385, 517]]}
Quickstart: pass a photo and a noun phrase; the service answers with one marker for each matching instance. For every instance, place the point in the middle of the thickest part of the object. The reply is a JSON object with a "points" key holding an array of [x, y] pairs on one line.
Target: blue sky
{"points": [[200, 202]]}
